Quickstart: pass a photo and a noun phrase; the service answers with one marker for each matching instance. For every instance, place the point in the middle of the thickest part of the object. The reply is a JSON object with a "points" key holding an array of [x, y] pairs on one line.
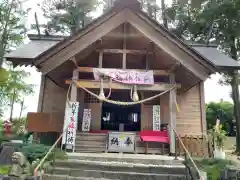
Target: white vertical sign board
{"points": [[156, 118], [70, 123], [86, 122]]}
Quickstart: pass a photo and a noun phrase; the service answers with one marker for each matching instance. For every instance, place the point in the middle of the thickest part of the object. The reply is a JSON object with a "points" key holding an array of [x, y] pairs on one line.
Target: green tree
{"points": [[12, 31], [217, 20], [223, 110], [12, 27], [67, 16]]}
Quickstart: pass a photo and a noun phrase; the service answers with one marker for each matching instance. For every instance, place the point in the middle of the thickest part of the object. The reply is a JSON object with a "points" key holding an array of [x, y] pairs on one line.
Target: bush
{"points": [[38, 151], [211, 166], [34, 151]]}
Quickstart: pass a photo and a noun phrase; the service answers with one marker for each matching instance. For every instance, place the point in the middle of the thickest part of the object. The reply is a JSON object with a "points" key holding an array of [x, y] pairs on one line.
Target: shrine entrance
{"points": [[120, 118]]}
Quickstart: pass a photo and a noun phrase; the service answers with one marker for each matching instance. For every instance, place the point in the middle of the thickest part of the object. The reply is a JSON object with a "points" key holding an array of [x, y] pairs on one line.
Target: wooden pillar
{"points": [[81, 108], [100, 60], [172, 115], [202, 106], [73, 98], [41, 93], [124, 60]]}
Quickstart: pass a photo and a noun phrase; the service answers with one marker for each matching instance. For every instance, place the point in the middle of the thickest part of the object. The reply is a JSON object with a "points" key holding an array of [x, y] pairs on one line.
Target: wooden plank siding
{"points": [[189, 120], [146, 117], [54, 99], [96, 113]]}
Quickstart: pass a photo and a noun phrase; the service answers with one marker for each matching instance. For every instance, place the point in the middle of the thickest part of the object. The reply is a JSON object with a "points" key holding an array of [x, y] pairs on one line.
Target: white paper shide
{"points": [[156, 118], [86, 120]]}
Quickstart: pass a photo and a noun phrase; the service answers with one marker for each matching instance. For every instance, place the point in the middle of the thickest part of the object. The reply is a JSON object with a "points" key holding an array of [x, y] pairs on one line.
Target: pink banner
{"points": [[125, 76]]}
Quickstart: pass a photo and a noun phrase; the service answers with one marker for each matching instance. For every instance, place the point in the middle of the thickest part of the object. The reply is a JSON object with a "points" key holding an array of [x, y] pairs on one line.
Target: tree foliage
{"points": [[12, 31], [12, 27], [67, 16], [218, 21], [223, 110]]}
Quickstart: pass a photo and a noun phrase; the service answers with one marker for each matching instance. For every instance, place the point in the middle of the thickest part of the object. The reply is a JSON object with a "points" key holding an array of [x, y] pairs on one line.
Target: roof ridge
{"points": [[46, 37]]}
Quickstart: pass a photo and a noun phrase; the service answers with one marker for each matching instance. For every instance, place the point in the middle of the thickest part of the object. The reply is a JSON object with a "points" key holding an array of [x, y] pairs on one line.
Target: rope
{"points": [[116, 102]]}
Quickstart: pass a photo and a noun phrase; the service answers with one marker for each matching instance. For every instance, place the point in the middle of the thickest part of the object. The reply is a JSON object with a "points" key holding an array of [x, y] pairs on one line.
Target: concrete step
{"points": [[66, 177], [127, 158], [120, 175], [64, 167], [89, 148], [90, 143], [91, 137]]}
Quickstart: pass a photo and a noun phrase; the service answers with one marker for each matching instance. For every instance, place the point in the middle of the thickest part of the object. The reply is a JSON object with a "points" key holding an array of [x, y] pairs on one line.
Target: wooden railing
{"points": [[186, 155]]}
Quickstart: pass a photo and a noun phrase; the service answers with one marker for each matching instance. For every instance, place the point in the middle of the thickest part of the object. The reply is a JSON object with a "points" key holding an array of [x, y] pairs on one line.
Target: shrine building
{"points": [[122, 74]]}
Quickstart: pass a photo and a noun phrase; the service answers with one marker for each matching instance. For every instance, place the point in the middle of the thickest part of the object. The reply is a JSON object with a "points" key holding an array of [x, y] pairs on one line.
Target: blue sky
{"points": [[213, 91]]}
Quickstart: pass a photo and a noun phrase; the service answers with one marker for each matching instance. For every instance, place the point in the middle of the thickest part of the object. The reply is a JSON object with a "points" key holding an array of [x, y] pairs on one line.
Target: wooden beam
{"points": [[120, 35], [155, 72], [127, 51], [89, 84]]}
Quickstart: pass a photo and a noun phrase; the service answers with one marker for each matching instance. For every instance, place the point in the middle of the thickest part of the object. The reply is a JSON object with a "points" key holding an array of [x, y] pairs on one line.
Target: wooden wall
{"points": [[189, 120], [53, 98], [45, 122]]}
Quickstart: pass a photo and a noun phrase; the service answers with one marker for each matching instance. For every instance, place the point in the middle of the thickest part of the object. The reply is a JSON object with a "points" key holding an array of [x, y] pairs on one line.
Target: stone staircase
{"points": [[96, 143], [110, 166], [90, 142]]}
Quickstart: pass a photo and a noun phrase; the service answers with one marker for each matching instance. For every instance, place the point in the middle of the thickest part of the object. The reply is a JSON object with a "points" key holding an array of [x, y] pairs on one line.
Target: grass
{"points": [[4, 170], [211, 166]]}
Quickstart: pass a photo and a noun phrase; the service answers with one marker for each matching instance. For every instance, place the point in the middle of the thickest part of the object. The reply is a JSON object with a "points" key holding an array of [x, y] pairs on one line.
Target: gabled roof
{"points": [[38, 47], [35, 47], [216, 57]]}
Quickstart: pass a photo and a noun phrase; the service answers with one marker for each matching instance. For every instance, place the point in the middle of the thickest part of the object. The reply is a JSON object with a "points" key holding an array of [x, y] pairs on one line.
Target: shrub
{"points": [[38, 151], [34, 151], [211, 166]]}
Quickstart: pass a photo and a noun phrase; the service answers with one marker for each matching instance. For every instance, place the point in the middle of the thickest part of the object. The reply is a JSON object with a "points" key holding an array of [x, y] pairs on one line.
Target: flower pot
{"points": [[219, 154]]}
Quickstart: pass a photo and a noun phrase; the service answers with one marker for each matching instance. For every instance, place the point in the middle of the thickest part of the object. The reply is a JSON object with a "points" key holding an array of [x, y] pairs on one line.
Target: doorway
{"points": [[121, 118]]}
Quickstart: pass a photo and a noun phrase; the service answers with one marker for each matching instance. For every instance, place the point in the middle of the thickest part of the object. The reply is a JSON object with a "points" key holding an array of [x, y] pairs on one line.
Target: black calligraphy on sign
{"points": [[74, 107], [156, 118], [70, 140], [128, 141], [70, 133], [115, 141], [72, 117], [137, 79], [147, 80], [86, 119], [73, 113]]}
